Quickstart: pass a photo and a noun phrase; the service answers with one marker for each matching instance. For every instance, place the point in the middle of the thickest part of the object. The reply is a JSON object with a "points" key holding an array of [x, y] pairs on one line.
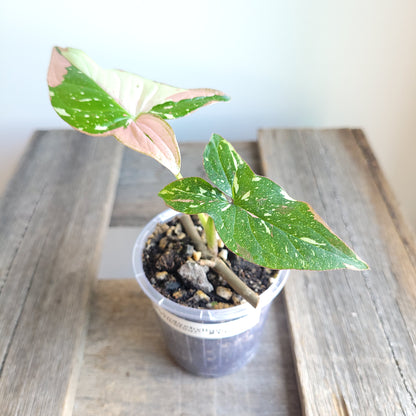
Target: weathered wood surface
{"points": [[52, 219], [127, 369], [353, 333], [141, 178]]}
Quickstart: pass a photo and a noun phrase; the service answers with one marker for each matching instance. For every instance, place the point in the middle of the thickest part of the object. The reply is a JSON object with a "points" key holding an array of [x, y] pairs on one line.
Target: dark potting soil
{"points": [[169, 258]]}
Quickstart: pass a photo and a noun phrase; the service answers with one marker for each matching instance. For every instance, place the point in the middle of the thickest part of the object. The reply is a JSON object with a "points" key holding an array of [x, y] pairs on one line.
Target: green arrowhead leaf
{"points": [[98, 101], [256, 218]]}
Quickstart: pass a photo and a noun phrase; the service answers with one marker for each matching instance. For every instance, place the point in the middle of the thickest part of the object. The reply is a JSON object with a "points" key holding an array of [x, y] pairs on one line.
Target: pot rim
{"points": [[186, 312]]}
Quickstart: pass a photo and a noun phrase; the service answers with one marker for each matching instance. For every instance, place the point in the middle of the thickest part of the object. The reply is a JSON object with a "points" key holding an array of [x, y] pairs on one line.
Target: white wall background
{"points": [[284, 63]]}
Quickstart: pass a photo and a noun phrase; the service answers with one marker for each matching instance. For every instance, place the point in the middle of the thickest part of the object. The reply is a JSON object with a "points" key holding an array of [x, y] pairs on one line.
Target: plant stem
{"points": [[211, 235], [219, 265], [192, 232]]}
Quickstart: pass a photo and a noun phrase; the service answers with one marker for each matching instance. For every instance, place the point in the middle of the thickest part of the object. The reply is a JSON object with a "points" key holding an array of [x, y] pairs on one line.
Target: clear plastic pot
{"points": [[206, 342]]}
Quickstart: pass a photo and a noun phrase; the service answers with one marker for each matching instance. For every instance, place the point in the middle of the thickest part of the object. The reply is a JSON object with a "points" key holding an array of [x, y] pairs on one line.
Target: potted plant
{"points": [[241, 223]]}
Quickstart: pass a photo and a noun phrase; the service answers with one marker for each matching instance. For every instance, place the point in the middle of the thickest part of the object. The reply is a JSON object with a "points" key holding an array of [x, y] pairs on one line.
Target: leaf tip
{"points": [[360, 265], [57, 67]]}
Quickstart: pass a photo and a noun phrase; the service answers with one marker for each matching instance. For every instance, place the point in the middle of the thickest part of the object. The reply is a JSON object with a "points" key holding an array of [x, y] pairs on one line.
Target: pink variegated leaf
{"points": [[99, 101], [154, 137]]}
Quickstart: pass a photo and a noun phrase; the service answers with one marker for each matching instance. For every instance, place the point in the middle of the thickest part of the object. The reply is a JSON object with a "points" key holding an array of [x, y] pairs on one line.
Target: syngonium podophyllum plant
{"points": [[254, 217]]}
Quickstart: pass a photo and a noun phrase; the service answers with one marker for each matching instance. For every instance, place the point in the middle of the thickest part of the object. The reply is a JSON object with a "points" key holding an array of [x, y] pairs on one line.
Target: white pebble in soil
{"points": [[196, 275], [224, 292]]}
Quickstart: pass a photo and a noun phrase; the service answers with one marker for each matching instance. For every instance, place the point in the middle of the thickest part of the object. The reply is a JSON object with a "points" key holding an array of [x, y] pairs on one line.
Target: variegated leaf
{"points": [[98, 101], [256, 218]]}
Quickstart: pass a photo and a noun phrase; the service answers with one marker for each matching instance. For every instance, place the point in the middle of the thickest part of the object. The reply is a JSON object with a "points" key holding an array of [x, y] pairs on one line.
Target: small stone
{"points": [[195, 275], [178, 294], [200, 295], [223, 254], [181, 236], [161, 275], [196, 255], [173, 285], [220, 243], [178, 228], [161, 228], [163, 243], [224, 292], [189, 249]]}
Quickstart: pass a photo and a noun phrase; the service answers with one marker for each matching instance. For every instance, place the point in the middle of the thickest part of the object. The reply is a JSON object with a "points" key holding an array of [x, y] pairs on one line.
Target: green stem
{"points": [[203, 219], [192, 232], [211, 236]]}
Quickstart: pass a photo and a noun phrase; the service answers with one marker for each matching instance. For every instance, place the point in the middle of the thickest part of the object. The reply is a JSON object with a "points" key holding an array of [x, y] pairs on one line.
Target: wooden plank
{"points": [[52, 219], [127, 370], [353, 333], [141, 178]]}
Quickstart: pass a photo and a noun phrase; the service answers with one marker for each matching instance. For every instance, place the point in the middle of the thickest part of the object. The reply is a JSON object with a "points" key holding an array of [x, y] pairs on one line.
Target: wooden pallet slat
{"points": [[52, 219], [353, 333]]}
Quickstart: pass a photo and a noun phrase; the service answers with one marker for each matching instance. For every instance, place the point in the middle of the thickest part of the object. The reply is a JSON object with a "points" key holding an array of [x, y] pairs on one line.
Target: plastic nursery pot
{"points": [[206, 342]]}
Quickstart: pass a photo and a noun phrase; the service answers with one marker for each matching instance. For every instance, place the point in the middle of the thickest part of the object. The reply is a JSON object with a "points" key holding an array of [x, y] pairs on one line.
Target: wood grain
{"points": [[52, 219], [127, 369], [353, 333], [141, 178]]}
